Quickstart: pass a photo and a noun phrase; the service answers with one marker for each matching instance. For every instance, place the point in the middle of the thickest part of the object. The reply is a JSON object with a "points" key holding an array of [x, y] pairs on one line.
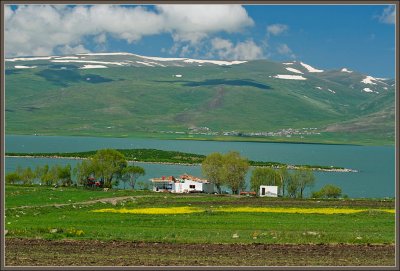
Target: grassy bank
{"points": [[40, 212]]}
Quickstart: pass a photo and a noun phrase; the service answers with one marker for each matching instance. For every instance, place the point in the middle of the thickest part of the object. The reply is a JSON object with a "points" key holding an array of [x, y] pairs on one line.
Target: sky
{"points": [[358, 37]]}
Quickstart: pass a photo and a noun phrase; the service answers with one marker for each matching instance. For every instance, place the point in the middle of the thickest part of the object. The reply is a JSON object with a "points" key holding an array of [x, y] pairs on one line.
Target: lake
{"points": [[376, 164]]}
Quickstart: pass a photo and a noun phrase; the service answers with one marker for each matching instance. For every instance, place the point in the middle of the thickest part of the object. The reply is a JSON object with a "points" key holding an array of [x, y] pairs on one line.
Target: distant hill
{"points": [[123, 94]]}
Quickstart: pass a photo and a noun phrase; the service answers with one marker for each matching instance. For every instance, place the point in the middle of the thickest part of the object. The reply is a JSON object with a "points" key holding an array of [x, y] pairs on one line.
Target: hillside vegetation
{"points": [[188, 100]]}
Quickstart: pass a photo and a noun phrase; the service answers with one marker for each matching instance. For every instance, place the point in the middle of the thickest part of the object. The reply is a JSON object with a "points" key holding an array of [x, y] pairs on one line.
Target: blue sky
{"points": [[359, 37]]}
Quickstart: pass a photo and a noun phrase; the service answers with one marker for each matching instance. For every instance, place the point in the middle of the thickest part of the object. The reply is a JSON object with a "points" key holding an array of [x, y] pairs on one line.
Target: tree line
{"points": [[103, 169], [230, 170], [54, 175], [108, 167]]}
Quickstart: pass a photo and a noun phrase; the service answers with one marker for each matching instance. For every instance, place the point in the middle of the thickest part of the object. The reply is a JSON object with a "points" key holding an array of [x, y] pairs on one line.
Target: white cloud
{"points": [[40, 29], [78, 49], [276, 29], [225, 49], [388, 15], [283, 49], [194, 22]]}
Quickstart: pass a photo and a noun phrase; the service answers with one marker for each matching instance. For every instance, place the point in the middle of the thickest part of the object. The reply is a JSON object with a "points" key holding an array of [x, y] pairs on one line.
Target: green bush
{"points": [[327, 191]]}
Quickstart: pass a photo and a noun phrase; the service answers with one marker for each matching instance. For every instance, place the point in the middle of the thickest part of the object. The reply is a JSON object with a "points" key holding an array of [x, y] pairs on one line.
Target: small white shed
{"points": [[268, 191], [187, 186]]}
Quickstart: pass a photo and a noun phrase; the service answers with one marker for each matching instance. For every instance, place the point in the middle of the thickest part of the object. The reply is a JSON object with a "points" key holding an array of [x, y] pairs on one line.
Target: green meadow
{"points": [[70, 213]]}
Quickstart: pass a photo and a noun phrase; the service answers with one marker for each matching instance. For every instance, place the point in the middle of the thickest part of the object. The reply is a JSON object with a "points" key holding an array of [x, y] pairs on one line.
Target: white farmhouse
{"points": [[268, 191], [184, 184]]}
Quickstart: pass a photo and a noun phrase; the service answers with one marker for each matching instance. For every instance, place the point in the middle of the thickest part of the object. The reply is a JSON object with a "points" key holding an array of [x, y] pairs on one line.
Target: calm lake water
{"points": [[376, 164]]}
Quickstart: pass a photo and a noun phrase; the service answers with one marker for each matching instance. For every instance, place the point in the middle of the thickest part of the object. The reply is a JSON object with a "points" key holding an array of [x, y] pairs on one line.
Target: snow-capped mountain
{"points": [[145, 93]]}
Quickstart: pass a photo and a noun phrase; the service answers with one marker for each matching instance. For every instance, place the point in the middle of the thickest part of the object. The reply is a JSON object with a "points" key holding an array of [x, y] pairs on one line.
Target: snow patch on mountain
{"points": [[106, 54], [155, 63], [89, 61], [290, 77], [368, 90], [310, 68], [330, 90], [145, 63], [189, 60], [372, 80], [160, 58], [93, 67], [24, 67], [217, 62], [346, 70], [67, 57], [29, 58], [369, 80], [178, 75], [294, 70], [287, 63]]}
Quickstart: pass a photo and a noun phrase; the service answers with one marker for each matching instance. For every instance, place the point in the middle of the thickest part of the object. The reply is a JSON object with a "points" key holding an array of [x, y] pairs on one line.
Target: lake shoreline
{"points": [[292, 167], [217, 139]]}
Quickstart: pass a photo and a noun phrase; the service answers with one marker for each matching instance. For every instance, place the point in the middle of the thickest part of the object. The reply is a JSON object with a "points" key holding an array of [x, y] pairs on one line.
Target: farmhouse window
{"points": [[192, 186]]}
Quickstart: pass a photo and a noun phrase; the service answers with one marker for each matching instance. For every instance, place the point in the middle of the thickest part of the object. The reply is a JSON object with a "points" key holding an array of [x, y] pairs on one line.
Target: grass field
{"points": [[206, 219], [44, 213]]}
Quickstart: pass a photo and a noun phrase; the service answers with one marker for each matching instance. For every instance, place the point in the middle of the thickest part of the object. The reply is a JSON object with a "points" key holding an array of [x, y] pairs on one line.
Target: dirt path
{"points": [[36, 252], [113, 201]]}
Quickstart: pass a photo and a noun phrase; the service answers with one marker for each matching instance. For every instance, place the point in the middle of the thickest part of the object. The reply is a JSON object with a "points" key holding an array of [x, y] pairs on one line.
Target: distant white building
{"points": [[268, 191], [184, 184]]}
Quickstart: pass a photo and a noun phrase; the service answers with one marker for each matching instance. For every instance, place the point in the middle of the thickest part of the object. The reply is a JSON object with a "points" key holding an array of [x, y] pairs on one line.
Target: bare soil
{"points": [[38, 252]]}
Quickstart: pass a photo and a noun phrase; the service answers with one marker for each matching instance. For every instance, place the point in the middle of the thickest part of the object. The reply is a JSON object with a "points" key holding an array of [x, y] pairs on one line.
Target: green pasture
{"points": [[78, 221]]}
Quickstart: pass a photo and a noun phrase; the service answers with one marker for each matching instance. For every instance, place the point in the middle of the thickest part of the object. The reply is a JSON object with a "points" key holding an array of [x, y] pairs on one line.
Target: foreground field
{"points": [[70, 219]]}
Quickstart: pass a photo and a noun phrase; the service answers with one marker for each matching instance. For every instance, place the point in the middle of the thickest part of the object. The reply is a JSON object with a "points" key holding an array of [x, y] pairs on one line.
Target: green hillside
{"points": [[184, 99]]}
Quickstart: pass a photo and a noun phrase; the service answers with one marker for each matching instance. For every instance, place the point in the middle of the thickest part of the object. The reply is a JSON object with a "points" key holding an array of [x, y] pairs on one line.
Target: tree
{"points": [[264, 176], [27, 176], [212, 168], [108, 164], [298, 181], [64, 175], [19, 170], [131, 173], [292, 185], [40, 172], [12, 178], [234, 171], [83, 171], [283, 177], [328, 191], [306, 179], [51, 176]]}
